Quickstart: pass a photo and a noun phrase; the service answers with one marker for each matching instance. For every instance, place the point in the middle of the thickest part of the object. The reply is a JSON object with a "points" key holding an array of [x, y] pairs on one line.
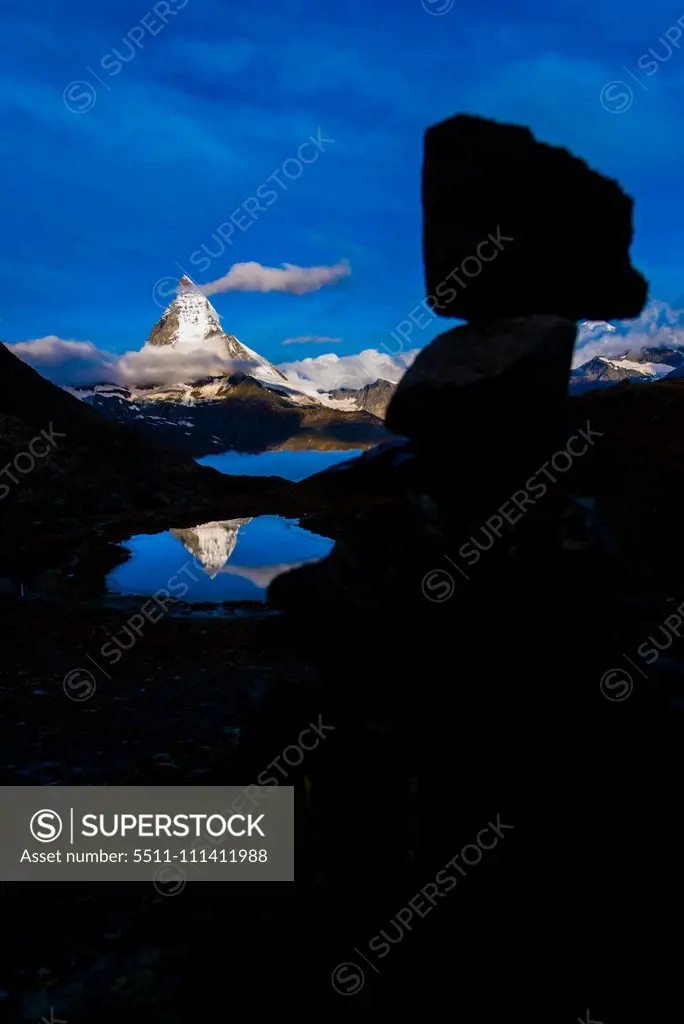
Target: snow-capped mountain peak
{"points": [[191, 322]]}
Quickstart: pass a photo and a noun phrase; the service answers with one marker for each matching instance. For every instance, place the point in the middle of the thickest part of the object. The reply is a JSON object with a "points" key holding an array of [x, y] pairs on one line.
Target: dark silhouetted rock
{"points": [[513, 226], [485, 639], [495, 391]]}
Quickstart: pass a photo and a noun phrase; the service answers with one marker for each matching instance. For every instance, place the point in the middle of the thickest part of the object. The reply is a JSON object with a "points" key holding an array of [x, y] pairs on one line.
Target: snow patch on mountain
{"points": [[197, 322], [646, 369]]}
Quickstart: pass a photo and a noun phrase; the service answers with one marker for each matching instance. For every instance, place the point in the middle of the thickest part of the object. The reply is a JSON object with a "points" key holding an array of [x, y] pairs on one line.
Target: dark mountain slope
{"points": [[244, 414], [59, 458]]}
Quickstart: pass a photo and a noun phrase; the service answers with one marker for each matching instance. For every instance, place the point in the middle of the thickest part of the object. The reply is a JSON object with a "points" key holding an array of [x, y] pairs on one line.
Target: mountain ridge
{"points": [[649, 364]]}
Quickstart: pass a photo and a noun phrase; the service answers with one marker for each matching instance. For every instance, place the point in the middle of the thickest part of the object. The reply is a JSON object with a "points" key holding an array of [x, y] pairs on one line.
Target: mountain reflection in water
{"points": [[232, 560]]}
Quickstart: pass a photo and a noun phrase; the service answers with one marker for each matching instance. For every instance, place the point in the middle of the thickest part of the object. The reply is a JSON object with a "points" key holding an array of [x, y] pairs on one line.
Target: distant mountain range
{"points": [[249, 407], [645, 349], [649, 365], [252, 405]]}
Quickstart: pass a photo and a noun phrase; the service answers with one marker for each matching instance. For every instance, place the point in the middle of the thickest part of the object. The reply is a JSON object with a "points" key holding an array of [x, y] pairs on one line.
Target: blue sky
{"points": [[101, 203]]}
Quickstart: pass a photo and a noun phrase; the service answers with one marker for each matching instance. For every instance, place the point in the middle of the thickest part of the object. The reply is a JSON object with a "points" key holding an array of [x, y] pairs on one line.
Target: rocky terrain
{"points": [[602, 372], [373, 398]]}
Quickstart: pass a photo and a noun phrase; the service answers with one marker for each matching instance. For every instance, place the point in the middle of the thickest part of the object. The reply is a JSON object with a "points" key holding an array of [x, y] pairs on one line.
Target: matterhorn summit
{"points": [[194, 387], [191, 322]]}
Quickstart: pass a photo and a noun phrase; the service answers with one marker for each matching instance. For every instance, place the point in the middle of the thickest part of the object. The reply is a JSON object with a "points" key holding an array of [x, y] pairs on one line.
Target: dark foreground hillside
{"points": [[206, 699], [62, 458]]}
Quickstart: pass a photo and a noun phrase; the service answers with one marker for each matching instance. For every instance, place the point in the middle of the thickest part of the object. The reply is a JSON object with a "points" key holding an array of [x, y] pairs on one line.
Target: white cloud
{"points": [[252, 277], [602, 343], [172, 365], [330, 371], [80, 362], [68, 362], [659, 325]]}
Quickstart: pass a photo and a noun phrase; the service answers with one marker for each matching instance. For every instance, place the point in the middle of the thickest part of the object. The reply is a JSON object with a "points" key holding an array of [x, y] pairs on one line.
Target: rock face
{"points": [[506, 379], [373, 398], [513, 226], [376, 397]]}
